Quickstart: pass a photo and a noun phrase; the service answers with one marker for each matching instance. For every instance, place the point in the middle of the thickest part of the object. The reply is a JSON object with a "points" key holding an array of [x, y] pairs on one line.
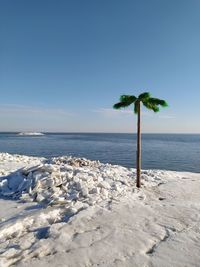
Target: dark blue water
{"points": [[159, 151]]}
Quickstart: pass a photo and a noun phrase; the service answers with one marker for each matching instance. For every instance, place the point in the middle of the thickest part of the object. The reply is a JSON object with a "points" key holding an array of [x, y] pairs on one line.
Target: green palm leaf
{"points": [[144, 96], [147, 104], [125, 101], [155, 108], [156, 101], [128, 98], [151, 106], [121, 105]]}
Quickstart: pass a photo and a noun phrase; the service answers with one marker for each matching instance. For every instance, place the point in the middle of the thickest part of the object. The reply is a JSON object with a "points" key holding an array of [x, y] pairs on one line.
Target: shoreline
{"points": [[106, 220], [166, 152], [49, 158]]}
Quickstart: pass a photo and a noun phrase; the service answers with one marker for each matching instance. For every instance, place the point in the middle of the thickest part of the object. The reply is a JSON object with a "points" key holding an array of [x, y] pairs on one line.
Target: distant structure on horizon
{"points": [[30, 133]]}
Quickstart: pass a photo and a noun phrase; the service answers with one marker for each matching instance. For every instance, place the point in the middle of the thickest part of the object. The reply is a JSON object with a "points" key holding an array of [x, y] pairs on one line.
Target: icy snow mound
{"points": [[12, 162], [70, 181]]}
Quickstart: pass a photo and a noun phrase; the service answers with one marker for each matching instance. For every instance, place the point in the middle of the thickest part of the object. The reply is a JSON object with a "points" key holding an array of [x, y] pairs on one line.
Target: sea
{"points": [[178, 152]]}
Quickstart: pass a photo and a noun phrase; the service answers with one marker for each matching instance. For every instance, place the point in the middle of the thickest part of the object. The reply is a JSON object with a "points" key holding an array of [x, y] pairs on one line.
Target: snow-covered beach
{"points": [[75, 212]]}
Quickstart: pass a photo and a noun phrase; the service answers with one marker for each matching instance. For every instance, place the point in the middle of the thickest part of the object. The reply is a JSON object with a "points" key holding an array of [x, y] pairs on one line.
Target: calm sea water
{"points": [[159, 151]]}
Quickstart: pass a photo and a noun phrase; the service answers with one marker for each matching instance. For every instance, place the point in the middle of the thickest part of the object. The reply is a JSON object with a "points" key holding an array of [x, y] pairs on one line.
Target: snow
{"points": [[75, 212]]}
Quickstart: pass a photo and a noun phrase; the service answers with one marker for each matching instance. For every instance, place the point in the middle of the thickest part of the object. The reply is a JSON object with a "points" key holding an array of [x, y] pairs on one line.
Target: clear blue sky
{"points": [[63, 64]]}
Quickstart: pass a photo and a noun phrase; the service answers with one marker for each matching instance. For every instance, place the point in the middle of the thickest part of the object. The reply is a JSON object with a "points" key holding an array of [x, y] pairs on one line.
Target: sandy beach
{"points": [[100, 218]]}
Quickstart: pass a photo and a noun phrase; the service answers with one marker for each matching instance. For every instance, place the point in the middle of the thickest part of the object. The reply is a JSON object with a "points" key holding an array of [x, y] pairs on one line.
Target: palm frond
{"points": [[128, 99], [157, 101], [154, 103], [147, 104], [151, 106], [144, 96], [121, 105], [155, 108]]}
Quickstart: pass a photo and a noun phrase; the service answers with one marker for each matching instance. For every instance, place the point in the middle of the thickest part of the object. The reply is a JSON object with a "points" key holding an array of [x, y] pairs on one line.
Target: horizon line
{"points": [[73, 132]]}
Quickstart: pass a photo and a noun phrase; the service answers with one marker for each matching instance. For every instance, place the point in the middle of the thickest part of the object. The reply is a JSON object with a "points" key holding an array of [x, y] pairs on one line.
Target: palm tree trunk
{"points": [[138, 183]]}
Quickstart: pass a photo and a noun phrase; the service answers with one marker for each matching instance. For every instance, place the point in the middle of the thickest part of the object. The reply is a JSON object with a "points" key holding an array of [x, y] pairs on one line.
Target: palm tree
{"points": [[150, 103]]}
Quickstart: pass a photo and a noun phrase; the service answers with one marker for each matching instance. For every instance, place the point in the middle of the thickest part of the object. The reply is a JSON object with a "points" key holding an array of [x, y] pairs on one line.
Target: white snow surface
{"points": [[75, 212]]}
